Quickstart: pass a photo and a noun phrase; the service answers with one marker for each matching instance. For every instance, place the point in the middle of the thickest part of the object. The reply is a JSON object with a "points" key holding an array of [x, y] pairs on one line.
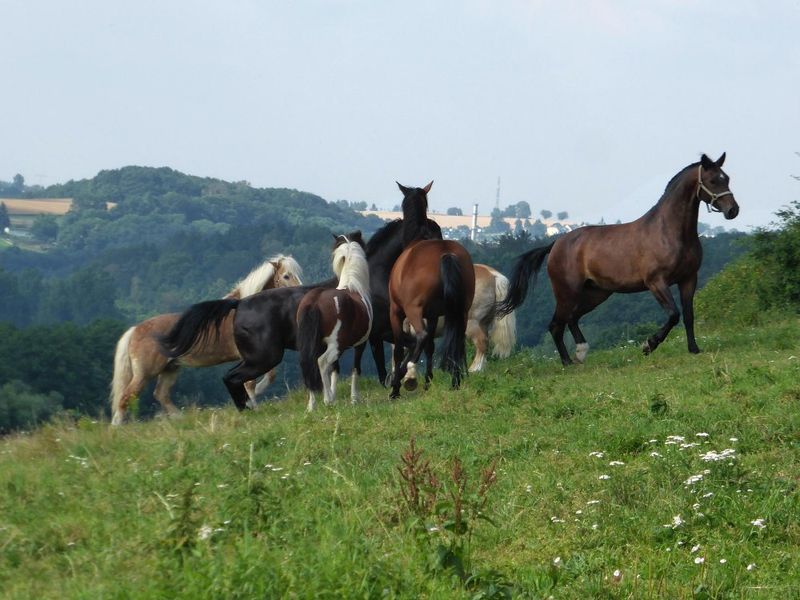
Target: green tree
{"points": [[522, 210], [546, 214], [45, 228], [23, 408], [563, 215], [454, 210]]}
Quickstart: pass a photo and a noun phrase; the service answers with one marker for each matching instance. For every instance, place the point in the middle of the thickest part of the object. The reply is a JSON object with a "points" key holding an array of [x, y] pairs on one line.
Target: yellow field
{"points": [[37, 206]]}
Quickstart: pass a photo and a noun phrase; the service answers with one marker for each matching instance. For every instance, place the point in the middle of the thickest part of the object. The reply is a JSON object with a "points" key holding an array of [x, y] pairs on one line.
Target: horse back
{"points": [[339, 308]]}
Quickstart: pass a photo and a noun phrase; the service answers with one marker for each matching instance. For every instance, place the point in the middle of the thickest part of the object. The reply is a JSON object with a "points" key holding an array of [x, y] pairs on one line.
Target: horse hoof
{"points": [[394, 395], [695, 350], [410, 384]]}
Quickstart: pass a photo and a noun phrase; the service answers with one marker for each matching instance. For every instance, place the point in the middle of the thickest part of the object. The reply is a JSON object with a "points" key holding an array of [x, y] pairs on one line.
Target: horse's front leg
{"points": [[660, 290], [358, 352], [687, 289]]}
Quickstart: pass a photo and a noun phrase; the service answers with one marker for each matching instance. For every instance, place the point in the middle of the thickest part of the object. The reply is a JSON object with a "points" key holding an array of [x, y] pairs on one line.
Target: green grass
{"points": [[303, 505]]}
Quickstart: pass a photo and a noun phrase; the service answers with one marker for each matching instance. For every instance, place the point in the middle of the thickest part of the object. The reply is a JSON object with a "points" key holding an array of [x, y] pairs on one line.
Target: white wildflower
{"points": [[604, 477], [693, 479], [592, 502], [695, 548], [616, 463], [708, 495], [734, 440], [713, 456], [595, 526], [677, 521], [204, 532], [617, 575], [557, 561], [702, 434], [655, 455], [699, 560], [758, 523], [597, 454], [689, 445], [222, 485], [751, 566], [722, 561], [652, 441]]}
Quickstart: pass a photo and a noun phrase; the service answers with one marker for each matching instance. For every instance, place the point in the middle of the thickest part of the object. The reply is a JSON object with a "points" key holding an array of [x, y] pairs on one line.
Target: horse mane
{"points": [[674, 181], [255, 280], [415, 217], [350, 265]]}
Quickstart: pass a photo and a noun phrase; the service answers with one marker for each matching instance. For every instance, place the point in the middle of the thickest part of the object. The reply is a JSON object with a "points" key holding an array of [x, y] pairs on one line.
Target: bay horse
{"points": [[431, 278], [658, 250], [332, 320], [138, 358], [484, 323], [265, 325]]}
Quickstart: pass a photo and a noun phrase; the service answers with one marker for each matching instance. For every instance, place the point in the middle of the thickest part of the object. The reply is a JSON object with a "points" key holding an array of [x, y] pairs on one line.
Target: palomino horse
{"points": [[484, 324], [138, 358], [265, 325], [656, 251], [332, 320], [431, 278]]}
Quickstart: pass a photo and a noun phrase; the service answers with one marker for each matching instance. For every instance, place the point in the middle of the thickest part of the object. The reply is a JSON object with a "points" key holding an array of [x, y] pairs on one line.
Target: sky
{"points": [[586, 106]]}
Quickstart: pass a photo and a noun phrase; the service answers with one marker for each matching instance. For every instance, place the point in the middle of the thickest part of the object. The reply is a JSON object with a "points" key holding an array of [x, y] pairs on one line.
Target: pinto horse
{"points": [[658, 250], [432, 278], [138, 359], [265, 325], [332, 320]]}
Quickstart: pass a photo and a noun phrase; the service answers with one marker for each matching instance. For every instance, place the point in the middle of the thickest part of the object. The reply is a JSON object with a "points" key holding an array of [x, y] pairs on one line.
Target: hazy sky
{"points": [[588, 107]]}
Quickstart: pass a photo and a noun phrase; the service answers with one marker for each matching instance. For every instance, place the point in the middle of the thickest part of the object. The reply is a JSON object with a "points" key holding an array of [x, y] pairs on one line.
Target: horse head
{"points": [[416, 225], [287, 272], [713, 187]]}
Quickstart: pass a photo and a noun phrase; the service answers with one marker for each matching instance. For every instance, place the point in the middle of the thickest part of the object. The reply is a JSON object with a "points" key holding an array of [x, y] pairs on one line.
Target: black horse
{"points": [[265, 324]]}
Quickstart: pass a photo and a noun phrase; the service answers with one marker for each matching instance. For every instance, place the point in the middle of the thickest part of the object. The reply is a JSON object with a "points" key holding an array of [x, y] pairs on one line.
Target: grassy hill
{"points": [[630, 477]]}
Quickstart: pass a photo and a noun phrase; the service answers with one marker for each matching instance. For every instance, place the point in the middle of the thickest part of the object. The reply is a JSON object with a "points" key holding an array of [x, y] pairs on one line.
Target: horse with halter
{"points": [[138, 359], [431, 278], [265, 325], [658, 250], [332, 320]]}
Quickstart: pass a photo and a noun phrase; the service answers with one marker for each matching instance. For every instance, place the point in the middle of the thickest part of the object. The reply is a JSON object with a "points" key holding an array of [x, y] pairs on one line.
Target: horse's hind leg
{"points": [[358, 352], [131, 391], [429, 348], [166, 380], [660, 290], [687, 289], [235, 379], [592, 299], [421, 334], [557, 326], [480, 337]]}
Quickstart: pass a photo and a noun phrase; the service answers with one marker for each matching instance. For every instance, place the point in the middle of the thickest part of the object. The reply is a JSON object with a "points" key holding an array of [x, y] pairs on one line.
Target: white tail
{"points": [[504, 332], [123, 371]]}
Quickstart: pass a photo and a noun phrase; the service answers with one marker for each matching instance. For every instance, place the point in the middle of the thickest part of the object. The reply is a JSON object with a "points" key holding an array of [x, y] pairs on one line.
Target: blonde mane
{"points": [[262, 275], [350, 266]]}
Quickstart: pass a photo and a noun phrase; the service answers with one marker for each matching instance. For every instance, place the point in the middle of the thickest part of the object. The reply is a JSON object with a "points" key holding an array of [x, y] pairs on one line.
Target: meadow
{"points": [[669, 476]]}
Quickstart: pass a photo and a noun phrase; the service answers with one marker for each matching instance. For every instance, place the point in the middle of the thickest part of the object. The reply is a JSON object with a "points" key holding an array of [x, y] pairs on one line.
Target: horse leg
{"points": [[263, 384], [479, 337], [166, 379], [687, 288], [235, 379], [328, 371], [421, 335], [556, 327], [660, 290], [335, 374], [429, 348], [380, 360], [358, 352], [591, 300], [396, 318]]}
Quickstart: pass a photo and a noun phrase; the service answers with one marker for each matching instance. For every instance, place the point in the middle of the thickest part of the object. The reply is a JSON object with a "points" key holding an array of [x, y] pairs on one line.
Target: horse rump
{"points": [[309, 346], [196, 325], [504, 329], [454, 354]]}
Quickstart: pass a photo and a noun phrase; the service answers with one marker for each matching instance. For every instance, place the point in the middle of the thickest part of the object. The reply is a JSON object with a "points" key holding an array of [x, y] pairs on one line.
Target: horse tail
{"points": [[504, 331], [123, 370], [197, 325], [309, 346], [454, 354], [525, 270]]}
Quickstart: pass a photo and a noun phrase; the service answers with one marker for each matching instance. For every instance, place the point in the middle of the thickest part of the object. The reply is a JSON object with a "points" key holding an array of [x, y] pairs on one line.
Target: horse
{"points": [[265, 325], [138, 359], [484, 324], [332, 320], [431, 278], [658, 250]]}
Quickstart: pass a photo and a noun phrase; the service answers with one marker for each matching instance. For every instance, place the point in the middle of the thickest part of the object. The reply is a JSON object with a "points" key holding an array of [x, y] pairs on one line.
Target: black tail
{"points": [[525, 270], [454, 354], [309, 345], [197, 325]]}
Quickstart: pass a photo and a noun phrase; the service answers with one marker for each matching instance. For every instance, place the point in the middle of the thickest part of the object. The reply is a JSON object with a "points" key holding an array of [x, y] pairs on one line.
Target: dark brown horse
{"points": [[332, 320], [431, 278], [656, 251]]}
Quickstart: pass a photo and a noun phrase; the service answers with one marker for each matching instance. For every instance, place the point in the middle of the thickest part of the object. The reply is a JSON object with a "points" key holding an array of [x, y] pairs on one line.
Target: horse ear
{"points": [[356, 236], [720, 160], [427, 188], [706, 162], [403, 188]]}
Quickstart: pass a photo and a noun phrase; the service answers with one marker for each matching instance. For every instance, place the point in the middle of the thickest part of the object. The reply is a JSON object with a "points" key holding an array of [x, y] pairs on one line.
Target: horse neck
{"points": [[678, 210]]}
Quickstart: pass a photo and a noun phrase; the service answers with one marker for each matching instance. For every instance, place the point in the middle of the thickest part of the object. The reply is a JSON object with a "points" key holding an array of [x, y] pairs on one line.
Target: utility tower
{"points": [[497, 197]]}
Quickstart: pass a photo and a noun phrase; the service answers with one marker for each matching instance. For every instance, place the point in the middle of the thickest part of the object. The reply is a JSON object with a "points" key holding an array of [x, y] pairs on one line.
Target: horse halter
{"points": [[712, 197]]}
